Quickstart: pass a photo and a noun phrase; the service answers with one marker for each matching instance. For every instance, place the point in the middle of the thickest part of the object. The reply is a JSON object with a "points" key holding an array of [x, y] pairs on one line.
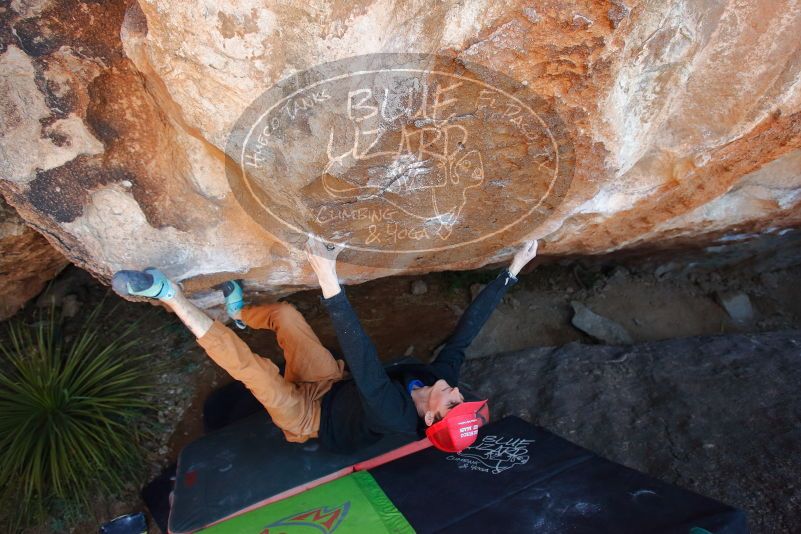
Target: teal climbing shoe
{"points": [[148, 283], [232, 291]]}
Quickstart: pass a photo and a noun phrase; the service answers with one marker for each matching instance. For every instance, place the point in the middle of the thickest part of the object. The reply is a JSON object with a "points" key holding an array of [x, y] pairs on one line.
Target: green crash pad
{"points": [[354, 504]]}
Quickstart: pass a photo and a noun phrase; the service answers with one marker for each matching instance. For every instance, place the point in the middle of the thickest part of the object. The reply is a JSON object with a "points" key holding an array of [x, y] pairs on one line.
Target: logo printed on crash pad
{"points": [[323, 519], [420, 156], [494, 454]]}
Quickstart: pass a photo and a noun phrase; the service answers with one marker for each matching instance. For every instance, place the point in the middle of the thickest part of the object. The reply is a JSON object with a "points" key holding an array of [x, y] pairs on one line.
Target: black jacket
{"points": [[375, 401]]}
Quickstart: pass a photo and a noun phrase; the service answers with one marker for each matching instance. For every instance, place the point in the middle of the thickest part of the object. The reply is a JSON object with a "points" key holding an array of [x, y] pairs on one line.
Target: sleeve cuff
{"points": [[338, 298]]}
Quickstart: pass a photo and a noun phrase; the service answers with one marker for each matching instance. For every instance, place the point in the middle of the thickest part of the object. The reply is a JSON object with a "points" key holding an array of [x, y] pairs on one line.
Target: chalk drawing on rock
{"points": [[400, 157]]}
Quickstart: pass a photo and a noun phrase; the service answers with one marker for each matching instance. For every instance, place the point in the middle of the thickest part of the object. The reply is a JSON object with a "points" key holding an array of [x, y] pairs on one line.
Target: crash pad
{"points": [[521, 478], [249, 463], [516, 477], [354, 504]]}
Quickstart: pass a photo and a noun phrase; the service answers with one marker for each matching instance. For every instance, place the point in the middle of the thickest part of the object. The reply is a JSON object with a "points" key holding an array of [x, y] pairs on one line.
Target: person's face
{"points": [[443, 398]]}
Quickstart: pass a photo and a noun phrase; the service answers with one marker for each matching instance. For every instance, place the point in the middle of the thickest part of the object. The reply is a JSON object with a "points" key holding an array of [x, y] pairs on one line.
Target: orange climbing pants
{"points": [[293, 400]]}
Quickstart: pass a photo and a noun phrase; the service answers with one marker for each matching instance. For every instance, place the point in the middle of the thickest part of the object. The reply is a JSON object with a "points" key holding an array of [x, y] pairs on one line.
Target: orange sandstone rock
{"points": [[27, 262], [682, 122]]}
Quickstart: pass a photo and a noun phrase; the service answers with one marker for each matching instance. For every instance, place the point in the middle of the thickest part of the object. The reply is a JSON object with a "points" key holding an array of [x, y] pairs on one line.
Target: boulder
{"points": [[596, 127], [27, 262]]}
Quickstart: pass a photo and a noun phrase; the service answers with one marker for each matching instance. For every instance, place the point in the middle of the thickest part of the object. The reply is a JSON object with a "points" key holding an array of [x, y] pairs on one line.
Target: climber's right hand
{"points": [[526, 253]]}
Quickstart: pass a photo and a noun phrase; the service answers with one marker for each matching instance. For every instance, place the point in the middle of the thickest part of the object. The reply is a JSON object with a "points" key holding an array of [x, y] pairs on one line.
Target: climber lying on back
{"points": [[316, 397]]}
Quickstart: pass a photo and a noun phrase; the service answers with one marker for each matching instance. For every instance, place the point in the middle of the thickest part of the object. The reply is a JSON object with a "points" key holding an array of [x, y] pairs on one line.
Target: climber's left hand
{"points": [[322, 257]]}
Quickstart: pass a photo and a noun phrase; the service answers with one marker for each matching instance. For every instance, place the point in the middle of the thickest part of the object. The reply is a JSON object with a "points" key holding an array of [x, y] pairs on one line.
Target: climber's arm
{"points": [[386, 404], [450, 359], [527, 252]]}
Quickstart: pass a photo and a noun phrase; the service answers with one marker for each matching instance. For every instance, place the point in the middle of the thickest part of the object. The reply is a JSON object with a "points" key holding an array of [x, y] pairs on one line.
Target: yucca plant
{"points": [[71, 412]]}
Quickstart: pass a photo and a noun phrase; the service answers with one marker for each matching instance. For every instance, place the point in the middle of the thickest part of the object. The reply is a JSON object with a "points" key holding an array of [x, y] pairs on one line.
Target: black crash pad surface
{"points": [[246, 463], [521, 478]]}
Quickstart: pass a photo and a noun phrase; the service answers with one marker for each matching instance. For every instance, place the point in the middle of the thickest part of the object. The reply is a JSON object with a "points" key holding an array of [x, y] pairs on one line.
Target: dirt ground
{"points": [[537, 311], [413, 315]]}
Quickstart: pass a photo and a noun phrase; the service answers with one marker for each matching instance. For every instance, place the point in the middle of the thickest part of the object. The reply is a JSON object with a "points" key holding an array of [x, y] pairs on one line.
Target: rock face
{"points": [[666, 124], [716, 415], [27, 262]]}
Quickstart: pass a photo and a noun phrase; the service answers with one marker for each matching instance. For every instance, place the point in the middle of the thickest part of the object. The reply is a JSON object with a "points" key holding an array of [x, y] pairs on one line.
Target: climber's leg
{"points": [[152, 283], [234, 301], [294, 408], [307, 360]]}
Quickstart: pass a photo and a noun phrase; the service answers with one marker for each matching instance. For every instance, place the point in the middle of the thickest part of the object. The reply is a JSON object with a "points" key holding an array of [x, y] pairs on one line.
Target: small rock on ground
{"points": [[599, 327], [419, 287], [737, 305]]}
